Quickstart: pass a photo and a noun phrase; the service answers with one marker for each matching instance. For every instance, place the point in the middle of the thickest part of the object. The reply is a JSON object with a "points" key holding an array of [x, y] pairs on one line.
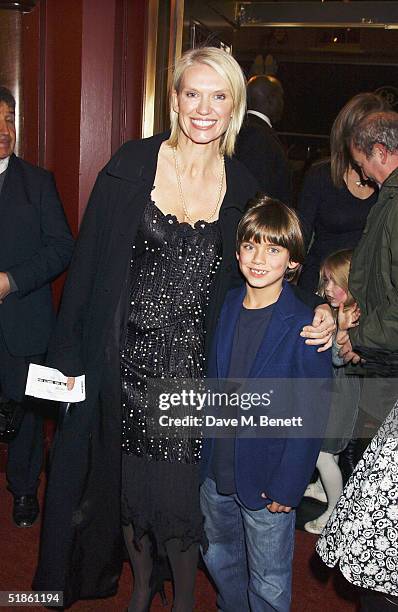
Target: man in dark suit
{"points": [[35, 247], [258, 145]]}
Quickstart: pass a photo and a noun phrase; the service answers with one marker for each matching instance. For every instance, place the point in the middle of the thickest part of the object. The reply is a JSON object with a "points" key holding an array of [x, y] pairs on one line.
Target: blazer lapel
{"points": [[226, 332], [276, 331]]}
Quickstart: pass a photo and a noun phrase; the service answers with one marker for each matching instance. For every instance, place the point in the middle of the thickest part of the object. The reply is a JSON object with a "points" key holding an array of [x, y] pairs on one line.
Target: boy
{"points": [[251, 485]]}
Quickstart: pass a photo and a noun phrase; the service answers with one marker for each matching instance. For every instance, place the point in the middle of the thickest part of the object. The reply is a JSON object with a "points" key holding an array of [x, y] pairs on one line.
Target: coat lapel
{"points": [[279, 325], [126, 166], [131, 194]]}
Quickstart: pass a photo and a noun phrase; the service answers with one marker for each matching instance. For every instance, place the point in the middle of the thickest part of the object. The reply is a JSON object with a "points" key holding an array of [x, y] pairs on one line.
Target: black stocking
{"points": [[183, 565], [142, 563]]}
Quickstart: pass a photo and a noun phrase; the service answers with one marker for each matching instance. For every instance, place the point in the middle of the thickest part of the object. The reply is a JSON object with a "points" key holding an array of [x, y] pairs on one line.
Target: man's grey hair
{"points": [[377, 128]]}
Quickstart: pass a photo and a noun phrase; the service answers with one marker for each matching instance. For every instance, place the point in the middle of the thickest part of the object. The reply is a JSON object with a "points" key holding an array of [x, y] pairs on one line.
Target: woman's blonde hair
{"points": [[337, 266], [228, 69], [269, 220]]}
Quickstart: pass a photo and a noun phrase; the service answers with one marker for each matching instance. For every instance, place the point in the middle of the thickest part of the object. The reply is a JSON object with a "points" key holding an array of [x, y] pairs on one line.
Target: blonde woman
{"points": [[154, 260]]}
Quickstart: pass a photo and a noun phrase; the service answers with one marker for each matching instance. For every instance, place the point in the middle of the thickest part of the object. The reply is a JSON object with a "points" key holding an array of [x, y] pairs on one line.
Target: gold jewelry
{"points": [[184, 206], [359, 184]]}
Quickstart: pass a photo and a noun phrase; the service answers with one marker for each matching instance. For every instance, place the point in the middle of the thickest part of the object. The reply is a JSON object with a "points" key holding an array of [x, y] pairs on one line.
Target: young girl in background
{"points": [[333, 285]]}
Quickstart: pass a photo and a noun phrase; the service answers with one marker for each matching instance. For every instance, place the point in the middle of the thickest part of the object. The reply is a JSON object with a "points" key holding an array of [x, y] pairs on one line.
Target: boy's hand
{"points": [[275, 507], [349, 317], [322, 328]]}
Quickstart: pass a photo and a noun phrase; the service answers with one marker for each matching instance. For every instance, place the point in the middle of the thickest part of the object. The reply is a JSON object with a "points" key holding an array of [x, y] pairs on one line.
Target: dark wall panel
{"points": [[315, 92]]}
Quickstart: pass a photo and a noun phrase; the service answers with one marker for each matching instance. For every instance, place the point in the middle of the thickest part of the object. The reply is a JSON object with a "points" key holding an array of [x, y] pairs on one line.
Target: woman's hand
{"points": [[348, 318], [322, 328], [70, 383], [342, 337], [347, 354]]}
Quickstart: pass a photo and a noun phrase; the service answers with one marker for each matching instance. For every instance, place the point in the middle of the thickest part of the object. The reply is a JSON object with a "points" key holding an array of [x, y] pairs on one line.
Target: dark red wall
{"points": [[83, 76], [83, 80]]}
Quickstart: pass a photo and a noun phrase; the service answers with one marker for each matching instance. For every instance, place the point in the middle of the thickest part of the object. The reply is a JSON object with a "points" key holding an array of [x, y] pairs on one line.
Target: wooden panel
{"points": [[137, 27], [129, 64], [85, 97], [61, 56], [148, 111], [96, 93], [31, 81], [10, 64]]}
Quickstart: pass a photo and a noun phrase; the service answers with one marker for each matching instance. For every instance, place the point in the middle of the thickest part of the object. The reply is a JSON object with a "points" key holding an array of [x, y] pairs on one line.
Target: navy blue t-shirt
{"points": [[249, 333]]}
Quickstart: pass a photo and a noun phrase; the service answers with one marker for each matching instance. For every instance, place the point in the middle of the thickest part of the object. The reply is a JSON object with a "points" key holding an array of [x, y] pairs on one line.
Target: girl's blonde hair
{"points": [[228, 69], [337, 266]]}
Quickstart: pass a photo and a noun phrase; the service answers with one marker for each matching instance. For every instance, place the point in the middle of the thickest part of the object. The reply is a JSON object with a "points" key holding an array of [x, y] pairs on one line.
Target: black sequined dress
{"points": [[172, 268]]}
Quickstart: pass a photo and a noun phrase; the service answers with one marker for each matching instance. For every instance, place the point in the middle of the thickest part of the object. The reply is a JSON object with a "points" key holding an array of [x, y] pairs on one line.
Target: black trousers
{"points": [[25, 452]]}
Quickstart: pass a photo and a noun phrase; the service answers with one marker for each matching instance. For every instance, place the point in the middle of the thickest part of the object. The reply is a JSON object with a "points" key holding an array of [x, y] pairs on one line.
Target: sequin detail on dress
{"points": [[172, 268]]}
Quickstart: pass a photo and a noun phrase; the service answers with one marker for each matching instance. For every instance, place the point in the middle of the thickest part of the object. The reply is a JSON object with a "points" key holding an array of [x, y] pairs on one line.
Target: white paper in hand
{"points": [[50, 384]]}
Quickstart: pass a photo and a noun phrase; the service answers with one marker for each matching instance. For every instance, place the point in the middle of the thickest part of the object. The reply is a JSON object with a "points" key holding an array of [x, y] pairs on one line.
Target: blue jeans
{"points": [[250, 553]]}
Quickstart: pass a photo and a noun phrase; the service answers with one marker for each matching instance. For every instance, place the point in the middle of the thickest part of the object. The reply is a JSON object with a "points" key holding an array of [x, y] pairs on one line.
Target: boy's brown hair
{"points": [[269, 220]]}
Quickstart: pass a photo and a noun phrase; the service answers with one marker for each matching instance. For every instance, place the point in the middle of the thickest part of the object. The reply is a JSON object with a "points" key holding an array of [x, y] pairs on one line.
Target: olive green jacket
{"points": [[374, 273]]}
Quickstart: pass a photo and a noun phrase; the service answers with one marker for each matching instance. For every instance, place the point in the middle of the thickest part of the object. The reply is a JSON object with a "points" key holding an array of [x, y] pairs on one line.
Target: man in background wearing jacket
{"points": [[258, 145], [35, 247]]}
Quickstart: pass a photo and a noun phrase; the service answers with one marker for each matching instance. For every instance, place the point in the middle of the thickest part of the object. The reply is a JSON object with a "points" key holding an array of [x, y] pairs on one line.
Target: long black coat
{"points": [[35, 247], [258, 147], [81, 542]]}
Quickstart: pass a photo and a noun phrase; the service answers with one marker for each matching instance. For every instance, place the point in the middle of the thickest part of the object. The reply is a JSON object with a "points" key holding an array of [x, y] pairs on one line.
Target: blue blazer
{"points": [[281, 467]]}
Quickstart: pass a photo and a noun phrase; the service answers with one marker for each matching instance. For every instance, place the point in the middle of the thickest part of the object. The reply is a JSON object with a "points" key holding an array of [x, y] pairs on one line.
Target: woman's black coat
{"points": [[81, 552]]}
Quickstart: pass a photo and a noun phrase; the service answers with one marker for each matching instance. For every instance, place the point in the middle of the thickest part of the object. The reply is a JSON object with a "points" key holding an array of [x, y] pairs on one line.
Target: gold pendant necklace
{"points": [[184, 206]]}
